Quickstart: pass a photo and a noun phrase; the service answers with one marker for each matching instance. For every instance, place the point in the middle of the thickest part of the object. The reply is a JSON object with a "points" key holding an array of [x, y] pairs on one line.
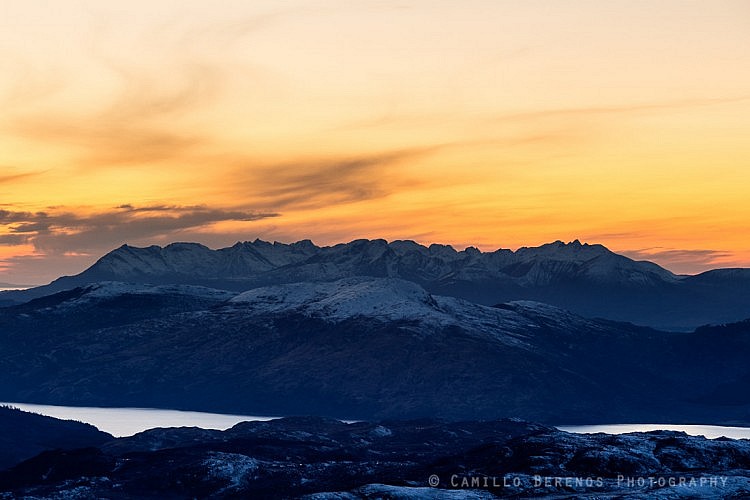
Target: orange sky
{"points": [[488, 123]]}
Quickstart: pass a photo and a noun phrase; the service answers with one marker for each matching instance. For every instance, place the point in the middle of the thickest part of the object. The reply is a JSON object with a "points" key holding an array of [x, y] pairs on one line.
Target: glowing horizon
{"points": [[490, 124]]}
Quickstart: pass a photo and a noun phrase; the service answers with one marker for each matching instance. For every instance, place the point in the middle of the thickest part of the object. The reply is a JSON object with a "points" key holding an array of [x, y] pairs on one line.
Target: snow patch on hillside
{"points": [[387, 299]]}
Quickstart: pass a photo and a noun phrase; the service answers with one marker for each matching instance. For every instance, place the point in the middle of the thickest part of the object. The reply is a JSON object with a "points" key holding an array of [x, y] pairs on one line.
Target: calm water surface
{"points": [[710, 431], [128, 421]]}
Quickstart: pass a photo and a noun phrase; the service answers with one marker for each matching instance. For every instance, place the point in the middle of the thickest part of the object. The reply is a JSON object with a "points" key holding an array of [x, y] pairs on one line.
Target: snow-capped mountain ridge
{"points": [[248, 260], [587, 279]]}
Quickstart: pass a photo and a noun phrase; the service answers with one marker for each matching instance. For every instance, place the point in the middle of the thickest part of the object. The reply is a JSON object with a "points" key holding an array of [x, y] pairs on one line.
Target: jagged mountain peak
{"points": [[557, 249], [256, 263], [572, 250]]}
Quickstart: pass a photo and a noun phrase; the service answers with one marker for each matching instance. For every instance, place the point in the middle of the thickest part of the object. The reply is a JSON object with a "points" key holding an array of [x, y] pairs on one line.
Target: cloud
{"points": [[7, 178], [425, 119], [161, 81], [137, 126], [680, 260], [632, 108], [65, 231], [135, 110], [319, 183], [41, 269], [12, 239], [48, 242], [68, 237], [705, 256], [11, 216]]}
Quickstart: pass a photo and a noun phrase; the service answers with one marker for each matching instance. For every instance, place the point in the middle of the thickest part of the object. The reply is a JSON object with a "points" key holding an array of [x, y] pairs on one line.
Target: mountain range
{"points": [[392, 335], [587, 279], [364, 348]]}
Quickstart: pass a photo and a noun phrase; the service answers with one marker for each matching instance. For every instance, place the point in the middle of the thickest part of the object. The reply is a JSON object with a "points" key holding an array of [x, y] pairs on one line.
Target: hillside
{"points": [[363, 348]]}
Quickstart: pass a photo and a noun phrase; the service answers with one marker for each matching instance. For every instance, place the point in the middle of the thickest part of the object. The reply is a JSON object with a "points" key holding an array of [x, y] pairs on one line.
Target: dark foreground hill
{"points": [[23, 435], [320, 459], [364, 348], [587, 279]]}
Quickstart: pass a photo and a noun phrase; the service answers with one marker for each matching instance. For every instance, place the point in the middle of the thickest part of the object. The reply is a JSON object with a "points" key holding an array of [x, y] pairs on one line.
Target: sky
{"points": [[491, 123]]}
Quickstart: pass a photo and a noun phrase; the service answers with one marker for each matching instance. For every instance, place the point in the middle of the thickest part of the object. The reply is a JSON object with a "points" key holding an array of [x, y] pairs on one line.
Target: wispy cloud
{"points": [[7, 178], [411, 119], [66, 234], [621, 109], [319, 183], [137, 126], [681, 260]]}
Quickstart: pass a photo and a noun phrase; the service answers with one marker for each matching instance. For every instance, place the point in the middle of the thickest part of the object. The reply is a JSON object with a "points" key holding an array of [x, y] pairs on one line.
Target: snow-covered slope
{"points": [[242, 260], [384, 298], [394, 300], [304, 261], [552, 261], [587, 279]]}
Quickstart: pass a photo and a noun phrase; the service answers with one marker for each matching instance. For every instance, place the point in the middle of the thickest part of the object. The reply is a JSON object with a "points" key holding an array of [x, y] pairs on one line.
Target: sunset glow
{"points": [[485, 123]]}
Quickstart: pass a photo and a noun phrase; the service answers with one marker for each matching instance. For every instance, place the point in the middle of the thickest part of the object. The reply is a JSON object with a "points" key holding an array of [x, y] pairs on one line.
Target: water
{"points": [[709, 431], [128, 421]]}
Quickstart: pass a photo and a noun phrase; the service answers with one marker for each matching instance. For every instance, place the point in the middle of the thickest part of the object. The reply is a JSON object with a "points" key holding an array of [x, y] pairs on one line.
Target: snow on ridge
{"points": [[385, 298], [247, 259], [390, 299]]}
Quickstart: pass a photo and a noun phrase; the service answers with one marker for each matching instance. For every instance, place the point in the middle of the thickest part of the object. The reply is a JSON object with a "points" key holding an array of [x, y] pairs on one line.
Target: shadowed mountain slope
{"points": [[24, 435], [364, 348]]}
